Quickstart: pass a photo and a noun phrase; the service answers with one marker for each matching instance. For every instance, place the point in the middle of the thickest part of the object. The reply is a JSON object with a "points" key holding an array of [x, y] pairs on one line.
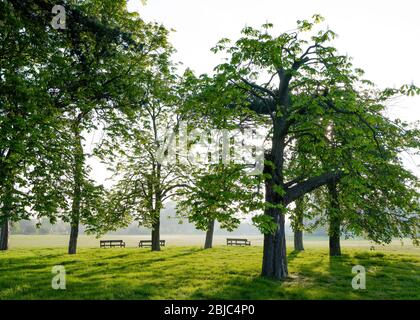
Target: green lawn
{"points": [[310, 242], [192, 273]]}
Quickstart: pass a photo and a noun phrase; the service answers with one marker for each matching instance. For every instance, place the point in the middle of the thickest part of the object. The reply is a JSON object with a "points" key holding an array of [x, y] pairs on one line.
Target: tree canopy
{"points": [[328, 146]]}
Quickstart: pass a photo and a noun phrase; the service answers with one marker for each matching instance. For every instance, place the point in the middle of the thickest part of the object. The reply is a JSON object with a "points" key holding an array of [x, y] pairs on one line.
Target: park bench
{"points": [[112, 243], [237, 242], [148, 243]]}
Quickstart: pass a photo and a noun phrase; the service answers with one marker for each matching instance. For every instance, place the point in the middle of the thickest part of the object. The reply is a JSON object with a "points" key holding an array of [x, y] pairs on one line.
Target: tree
{"points": [[144, 181], [379, 201], [30, 133], [97, 88], [297, 224], [86, 74], [218, 192], [378, 198], [298, 166], [314, 84]]}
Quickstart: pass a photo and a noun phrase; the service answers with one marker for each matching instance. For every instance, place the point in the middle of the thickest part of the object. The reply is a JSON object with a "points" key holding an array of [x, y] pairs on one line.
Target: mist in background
{"points": [[170, 224]]}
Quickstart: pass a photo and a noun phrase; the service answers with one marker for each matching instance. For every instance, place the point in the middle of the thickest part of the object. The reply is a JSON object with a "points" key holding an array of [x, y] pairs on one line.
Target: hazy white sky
{"points": [[383, 37]]}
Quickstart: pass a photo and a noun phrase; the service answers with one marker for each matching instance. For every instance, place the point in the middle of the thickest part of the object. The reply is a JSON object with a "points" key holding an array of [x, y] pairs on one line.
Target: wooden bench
{"points": [[237, 242], [148, 243], [112, 243]]}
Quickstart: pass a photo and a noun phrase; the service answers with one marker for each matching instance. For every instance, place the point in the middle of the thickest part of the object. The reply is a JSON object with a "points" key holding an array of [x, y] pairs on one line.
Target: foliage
{"points": [[59, 85], [144, 183], [221, 192], [322, 110]]}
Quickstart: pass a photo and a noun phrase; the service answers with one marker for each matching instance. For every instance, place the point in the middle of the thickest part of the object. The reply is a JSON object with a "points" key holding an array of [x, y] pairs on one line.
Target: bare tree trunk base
{"points": [[275, 258], [335, 247], [4, 235], [335, 221], [209, 235], [334, 237], [74, 233], [156, 237], [298, 240]]}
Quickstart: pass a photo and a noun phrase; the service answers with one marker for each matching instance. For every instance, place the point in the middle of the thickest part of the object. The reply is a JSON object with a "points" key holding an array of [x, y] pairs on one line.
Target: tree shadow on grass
{"points": [[191, 274], [90, 277], [145, 262], [293, 255], [322, 279]]}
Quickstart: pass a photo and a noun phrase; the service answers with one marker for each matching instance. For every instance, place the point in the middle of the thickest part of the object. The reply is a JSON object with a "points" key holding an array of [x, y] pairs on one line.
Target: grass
{"points": [[223, 272], [310, 242]]}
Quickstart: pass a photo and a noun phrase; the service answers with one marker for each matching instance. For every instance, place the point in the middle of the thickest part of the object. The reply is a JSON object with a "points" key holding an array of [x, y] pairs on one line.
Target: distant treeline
{"points": [[169, 225]]}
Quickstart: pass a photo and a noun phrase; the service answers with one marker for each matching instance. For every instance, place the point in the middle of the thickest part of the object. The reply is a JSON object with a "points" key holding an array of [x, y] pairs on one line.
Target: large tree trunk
{"points": [[156, 234], [274, 256], [334, 221], [4, 235], [209, 235], [77, 188], [274, 252]]}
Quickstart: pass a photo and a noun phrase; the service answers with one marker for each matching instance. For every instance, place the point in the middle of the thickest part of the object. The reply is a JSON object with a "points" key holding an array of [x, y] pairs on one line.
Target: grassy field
{"points": [[188, 272]]}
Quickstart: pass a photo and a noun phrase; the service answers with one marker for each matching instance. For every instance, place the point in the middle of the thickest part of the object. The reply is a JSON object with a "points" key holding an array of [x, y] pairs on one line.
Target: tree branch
{"points": [[310, 184], [257, 87]]}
